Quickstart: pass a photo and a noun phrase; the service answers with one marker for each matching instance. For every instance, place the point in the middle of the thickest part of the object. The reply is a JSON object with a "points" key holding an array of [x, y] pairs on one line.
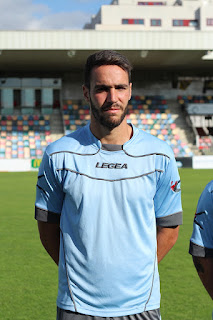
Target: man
{"points": [[201, 243], [100, 192]]}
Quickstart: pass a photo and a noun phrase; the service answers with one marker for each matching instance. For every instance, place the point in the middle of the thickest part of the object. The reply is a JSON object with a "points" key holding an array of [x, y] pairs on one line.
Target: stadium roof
{"points": [[64, 51]]}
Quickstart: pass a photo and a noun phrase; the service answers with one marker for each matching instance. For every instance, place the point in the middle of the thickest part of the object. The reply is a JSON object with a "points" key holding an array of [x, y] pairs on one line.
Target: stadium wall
{"points": [[202, 162], [72, 85], [15, 165], [165, 89], [20, 165], [72, 89]]}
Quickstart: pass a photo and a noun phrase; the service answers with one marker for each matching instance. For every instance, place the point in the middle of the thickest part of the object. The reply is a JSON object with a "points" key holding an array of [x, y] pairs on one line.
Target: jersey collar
{"points": [[98, 145]]}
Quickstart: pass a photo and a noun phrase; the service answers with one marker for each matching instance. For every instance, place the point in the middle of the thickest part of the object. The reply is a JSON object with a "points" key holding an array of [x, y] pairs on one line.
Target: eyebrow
{"points": [[103, 86]]}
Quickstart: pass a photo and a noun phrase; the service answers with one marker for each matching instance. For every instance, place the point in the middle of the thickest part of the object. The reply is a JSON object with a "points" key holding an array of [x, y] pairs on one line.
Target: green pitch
{"points": [[28, 278]]}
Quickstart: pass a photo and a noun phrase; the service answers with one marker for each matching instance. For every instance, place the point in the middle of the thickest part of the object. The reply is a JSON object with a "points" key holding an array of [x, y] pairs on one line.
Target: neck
{"points": [[118, 135]]}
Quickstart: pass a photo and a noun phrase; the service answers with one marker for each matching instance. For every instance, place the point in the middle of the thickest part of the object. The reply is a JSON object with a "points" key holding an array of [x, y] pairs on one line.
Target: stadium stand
{"points": [[199, 113], [183, 100], [27, 105], [149, 113], [24, 136]]}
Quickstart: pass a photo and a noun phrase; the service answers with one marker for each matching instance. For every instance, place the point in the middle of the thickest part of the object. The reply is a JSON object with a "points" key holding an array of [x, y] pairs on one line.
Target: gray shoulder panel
{"points": [[198, 251], [172, 220], [46, 216]]}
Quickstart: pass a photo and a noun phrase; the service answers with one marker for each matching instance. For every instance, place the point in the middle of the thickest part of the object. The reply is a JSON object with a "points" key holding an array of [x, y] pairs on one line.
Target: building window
{"points": [[155, 22], [133, 21], [139, 21], [193, 23], [209, 21], [184, 23], [16, 97], [152, 3], [177, 23], [124, 21]]}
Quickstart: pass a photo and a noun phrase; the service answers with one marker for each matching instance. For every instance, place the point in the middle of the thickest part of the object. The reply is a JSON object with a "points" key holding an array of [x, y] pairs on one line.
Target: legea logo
{"points": [[105, 165]]}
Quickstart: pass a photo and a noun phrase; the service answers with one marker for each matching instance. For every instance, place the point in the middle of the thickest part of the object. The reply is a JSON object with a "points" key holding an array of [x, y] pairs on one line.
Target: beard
{"points": [[108, 121]]}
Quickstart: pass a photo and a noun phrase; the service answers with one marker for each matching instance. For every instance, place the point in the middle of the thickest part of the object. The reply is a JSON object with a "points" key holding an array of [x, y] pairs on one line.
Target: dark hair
{"points": [[105, 57]]}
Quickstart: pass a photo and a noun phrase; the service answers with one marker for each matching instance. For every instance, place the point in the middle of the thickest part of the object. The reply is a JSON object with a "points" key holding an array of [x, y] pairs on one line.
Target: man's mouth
{"points": [[112, 109]]}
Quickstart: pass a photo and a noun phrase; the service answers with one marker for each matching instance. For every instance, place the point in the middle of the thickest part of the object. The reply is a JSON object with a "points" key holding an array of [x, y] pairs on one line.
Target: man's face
{"points": [[108, 95]]}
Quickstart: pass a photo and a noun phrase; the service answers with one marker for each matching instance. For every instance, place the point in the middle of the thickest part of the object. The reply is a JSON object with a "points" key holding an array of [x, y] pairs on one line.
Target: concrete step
{"points": [[56, 124], [183, 129]]}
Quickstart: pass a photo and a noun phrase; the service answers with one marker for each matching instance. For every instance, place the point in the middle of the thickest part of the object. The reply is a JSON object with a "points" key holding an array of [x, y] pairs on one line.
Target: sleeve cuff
{"points": [[172, 220], [46, 216], [199, 251]]}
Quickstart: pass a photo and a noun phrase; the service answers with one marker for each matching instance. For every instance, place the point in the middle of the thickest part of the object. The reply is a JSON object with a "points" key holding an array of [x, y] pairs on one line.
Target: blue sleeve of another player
{"points": [[167, 200], [49, 192], [201, 242]]}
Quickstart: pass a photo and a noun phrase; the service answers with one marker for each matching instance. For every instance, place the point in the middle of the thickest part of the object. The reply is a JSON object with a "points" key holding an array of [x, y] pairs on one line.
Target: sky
{"points": [[47, 14]]}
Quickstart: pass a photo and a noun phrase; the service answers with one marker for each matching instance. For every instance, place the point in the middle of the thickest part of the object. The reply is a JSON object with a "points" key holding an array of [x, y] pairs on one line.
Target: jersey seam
{"points": [[146, 155], [110, 180], [76, 153], [107, 151]]}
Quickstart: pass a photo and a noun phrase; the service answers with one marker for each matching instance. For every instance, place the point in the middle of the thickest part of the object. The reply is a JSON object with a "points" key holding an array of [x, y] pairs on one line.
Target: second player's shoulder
{"points": [[209, 187], [206, 196]]}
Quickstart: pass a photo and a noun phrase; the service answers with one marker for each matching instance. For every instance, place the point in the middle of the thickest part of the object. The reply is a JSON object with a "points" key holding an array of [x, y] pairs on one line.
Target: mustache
{"points": [[109, 106]]}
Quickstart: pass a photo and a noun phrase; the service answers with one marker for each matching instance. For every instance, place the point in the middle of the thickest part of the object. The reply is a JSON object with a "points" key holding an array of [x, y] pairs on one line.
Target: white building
{"points": [[154, 15]]}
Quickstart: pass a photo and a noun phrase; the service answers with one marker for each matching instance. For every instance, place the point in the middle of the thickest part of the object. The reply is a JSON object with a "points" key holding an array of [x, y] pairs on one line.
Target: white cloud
{"points": [[24, 15], [62, 20]]}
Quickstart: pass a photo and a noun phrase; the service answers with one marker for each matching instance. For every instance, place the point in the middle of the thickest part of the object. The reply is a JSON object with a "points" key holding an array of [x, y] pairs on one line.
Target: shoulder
{"points": [[77, 142], [154, 143], [147, 144]]}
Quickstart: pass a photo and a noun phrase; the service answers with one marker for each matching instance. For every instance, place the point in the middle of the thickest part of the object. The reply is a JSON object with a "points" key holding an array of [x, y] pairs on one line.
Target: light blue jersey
{"points": [[201, 243], [109, 200]]}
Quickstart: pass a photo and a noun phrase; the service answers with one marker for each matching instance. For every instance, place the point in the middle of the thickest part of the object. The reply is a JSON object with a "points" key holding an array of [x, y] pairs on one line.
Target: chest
{"points": [[111, 177]]}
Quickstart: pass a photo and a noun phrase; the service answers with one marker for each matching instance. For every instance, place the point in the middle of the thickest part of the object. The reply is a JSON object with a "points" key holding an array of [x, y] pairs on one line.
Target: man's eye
{"points": [[121, 88], [102, 89]]}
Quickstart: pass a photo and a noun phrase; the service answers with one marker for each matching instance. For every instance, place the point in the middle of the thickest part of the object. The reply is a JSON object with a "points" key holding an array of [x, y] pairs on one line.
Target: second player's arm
{"points": [[50, 238], [204, 267], [166, 238]]}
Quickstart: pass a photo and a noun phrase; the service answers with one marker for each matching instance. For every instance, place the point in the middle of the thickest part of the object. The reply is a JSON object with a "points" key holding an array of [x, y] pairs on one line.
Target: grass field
{"points": [[28, 278]]}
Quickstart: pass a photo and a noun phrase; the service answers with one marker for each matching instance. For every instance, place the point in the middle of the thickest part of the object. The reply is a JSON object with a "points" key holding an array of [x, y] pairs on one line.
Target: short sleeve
{"points": [[167, 200], [49, 192], [201, 242]]}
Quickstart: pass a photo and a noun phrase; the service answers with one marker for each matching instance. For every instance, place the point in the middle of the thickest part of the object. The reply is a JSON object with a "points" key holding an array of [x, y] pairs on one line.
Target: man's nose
{"points": [[112, 95]]}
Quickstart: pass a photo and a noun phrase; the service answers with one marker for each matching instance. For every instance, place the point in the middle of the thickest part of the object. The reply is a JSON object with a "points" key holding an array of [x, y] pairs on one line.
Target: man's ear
{"points": [[86, 93]]}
